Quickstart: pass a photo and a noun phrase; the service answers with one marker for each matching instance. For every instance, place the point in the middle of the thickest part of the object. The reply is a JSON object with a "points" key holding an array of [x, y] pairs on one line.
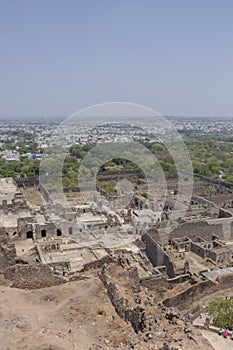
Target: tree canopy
{"points": [[222, 312]]}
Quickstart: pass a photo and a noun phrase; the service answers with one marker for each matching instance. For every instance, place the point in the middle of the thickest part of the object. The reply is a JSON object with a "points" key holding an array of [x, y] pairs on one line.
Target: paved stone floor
{"points": [[218, 342]]}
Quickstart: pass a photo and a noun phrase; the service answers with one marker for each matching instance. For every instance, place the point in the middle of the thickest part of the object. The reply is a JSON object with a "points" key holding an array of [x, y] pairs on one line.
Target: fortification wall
{"points": [[27, 181], [196, 292], [220, 183], [133, 314], [192, 294]]}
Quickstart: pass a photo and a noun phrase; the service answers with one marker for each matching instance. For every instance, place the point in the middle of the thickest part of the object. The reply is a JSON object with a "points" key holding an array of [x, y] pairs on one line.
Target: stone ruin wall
{"points": [[27, 181], [192, 294], [223, 213], [195, 293], [133, 314], [219, 183], [97, 263], [32, 276], [193, 230], [225, 281], [156, 254], [198, 249], [156, 282], [2, 233], [7, 255], [45, 193]]}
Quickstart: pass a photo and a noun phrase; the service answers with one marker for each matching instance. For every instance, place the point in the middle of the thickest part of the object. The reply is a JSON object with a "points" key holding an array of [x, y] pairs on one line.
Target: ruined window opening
{"points": [[29, 235], [59, 233], [43, 233], [70, 230]]}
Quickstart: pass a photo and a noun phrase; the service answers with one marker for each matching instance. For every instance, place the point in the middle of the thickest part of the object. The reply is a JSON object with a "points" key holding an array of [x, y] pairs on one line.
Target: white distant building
{"points": [[8, 155]]}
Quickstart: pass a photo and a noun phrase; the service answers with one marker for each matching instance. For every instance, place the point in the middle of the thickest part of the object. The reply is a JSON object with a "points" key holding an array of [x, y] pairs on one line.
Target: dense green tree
{"points": [[222, 312]]}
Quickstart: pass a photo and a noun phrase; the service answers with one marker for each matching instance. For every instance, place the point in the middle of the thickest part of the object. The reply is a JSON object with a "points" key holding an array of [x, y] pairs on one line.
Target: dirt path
{"points": [[70, 316]]}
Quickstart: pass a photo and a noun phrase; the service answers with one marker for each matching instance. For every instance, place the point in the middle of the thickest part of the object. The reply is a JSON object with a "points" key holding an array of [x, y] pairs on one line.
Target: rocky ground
{"points": [[79, 315]]}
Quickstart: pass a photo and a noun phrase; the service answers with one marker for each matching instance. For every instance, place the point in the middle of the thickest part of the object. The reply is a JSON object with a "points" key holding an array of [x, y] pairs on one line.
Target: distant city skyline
{"points": [[59, 57]]}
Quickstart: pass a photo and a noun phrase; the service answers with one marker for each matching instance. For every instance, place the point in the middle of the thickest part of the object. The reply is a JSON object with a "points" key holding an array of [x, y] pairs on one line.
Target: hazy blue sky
{"points": [[175, 56]]}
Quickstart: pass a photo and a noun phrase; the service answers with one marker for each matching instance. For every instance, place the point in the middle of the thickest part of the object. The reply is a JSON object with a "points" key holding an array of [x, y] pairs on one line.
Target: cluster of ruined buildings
{"points": [[136, 257], [84, 233], [215, 250]]}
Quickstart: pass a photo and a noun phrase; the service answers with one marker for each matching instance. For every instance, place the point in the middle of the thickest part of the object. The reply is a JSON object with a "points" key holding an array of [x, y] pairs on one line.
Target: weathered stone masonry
{"points": [[135, 315]]}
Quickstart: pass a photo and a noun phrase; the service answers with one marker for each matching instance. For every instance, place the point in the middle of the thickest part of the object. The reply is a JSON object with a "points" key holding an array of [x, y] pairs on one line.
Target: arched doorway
{"points": [[59, 233]]}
